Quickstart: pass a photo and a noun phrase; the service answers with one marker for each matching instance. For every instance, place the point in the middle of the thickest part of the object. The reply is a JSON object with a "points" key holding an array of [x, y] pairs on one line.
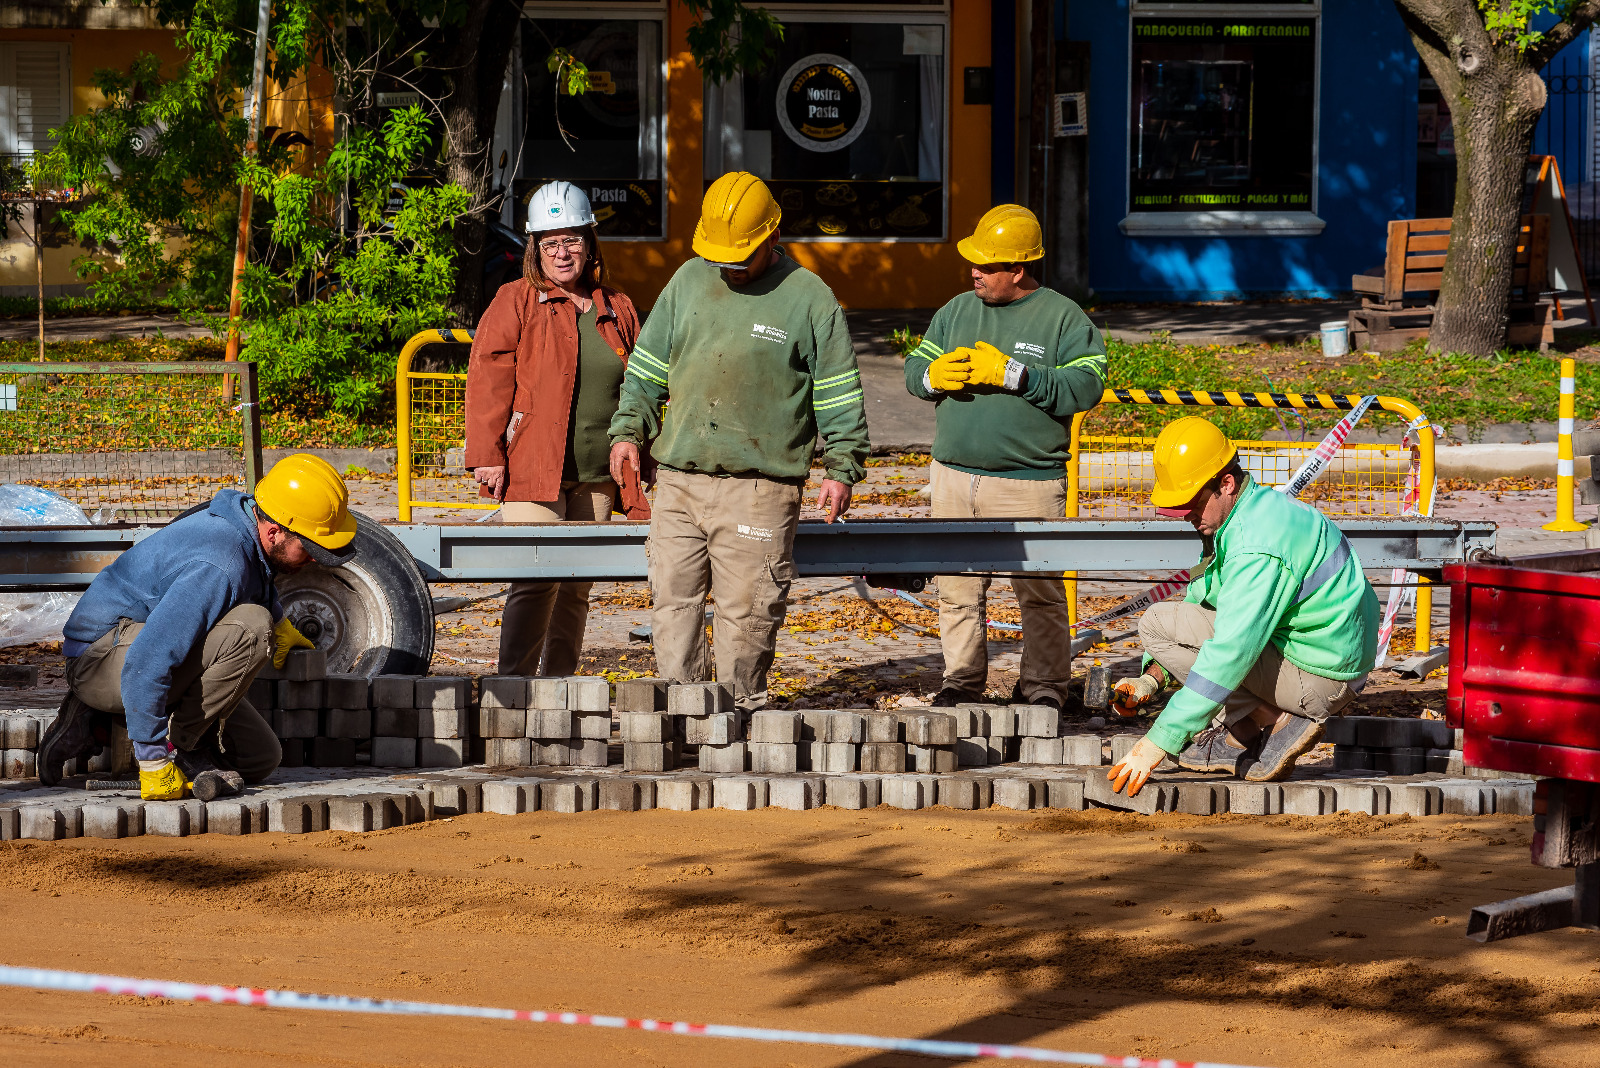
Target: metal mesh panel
{"points": [[438, 424], [125, 445]]}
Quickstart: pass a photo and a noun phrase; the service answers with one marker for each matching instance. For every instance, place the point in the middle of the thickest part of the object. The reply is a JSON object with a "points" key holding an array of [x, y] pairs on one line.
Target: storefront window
{"points": [[607, 141], [1223, 115], [847, 124]]}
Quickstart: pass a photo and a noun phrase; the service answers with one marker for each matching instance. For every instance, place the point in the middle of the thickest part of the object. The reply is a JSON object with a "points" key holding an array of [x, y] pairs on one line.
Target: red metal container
{"points": [[1525, 669]]}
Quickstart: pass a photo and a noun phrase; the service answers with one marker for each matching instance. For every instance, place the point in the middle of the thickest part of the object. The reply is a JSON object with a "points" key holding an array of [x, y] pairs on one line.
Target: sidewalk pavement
{"points": [[100, 328]]}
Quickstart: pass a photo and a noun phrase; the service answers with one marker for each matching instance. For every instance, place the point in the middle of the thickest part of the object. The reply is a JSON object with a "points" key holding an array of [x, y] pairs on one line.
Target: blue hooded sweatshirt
{"points": [[180, 581]]}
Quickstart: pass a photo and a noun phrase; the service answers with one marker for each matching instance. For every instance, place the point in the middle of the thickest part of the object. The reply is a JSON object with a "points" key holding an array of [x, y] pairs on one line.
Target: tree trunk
{"points": [[1495, 97], [476, 63]]}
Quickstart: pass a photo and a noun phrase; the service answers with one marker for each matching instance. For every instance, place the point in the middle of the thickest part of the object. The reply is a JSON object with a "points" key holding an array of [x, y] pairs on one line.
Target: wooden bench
{"points": [[1397, 300]]}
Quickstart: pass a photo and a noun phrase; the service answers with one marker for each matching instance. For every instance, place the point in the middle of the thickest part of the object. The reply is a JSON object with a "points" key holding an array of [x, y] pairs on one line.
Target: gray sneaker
{"points": [[1214, 749], [1288, 742]]}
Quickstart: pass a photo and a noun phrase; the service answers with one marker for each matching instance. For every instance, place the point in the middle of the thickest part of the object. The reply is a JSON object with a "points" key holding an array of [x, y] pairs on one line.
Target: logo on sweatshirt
{"points": [[1025, 348], [770, 333]]}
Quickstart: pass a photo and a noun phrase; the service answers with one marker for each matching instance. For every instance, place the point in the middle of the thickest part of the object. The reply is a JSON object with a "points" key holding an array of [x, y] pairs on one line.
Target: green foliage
{"points": [[1513, 19], [572, 75], [904, 341], [728, 38]]}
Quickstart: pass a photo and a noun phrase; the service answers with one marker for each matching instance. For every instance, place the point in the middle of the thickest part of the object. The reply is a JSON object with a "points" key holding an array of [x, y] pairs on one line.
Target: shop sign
{"points": [[823, 103]]}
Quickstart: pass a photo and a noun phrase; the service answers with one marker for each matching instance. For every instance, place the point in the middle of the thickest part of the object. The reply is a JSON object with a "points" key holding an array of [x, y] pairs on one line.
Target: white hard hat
{"points": [[556, 205]]}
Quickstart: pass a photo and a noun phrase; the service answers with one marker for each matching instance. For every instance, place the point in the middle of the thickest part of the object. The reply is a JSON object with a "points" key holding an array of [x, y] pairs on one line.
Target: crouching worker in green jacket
{"points": [[1275, 635]]}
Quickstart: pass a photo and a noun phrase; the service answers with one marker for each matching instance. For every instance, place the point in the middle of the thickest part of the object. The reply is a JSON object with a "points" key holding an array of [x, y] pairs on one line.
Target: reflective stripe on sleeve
{"points": [[1325, 572], [1206, 688]]}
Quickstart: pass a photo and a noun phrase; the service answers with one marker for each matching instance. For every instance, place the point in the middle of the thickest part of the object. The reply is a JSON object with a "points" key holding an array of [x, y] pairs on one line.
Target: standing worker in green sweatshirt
{"points": [[753, 352], [1007, 365], [1275, 635]]}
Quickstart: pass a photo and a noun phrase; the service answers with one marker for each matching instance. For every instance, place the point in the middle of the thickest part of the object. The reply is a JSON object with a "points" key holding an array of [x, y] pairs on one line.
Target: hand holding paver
{"points": [[1136, 767], [284, 638], [1130, 695]]}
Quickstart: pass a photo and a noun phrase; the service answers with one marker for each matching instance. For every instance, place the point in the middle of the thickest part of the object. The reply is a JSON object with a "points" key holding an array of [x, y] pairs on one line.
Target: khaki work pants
{"points": [[208, 688], [1172, 632], [541, 630], [963, 611], [734, 538]]}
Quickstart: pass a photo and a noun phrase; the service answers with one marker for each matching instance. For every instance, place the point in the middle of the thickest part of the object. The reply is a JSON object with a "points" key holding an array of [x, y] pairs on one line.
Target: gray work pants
{"points": [[208, 688]]}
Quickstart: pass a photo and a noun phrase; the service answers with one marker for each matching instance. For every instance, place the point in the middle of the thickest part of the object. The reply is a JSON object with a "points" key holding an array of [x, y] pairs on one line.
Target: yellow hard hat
{"points": [[303, 493], [1009, 233], [1189, 453], [737, 214]]}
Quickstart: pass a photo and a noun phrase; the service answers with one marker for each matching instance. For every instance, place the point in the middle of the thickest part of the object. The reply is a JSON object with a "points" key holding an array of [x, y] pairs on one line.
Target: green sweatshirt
{"points": [[986, 430], [753, 373], [1280, 573]]}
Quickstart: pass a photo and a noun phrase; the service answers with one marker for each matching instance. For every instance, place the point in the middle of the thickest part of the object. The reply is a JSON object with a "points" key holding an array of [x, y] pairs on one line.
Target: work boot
{"points": [[949, 697], [206, 780], [1047, 699], [1216, 749], [1288, 741], [70, 736]]}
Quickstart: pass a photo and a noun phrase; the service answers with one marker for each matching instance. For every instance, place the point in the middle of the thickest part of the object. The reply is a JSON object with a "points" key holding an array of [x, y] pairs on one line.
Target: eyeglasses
{"points": [[573, 245]]}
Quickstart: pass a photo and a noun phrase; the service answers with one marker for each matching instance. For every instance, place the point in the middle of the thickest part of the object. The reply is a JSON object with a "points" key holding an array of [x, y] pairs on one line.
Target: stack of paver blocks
{"points": [[392, 721], [19, 744], [650, 740], [527, 721], [704, 714], [915, 740], [1399, 746]]}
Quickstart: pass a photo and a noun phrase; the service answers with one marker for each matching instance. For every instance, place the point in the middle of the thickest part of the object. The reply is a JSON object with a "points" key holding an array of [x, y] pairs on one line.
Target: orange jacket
{"points": [[520, 379]]}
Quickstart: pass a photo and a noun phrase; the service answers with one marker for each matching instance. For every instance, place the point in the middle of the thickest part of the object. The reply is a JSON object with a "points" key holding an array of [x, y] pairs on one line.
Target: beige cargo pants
{"points": [[1171, 633], [963, 611], [541, 630], [207, 688], [734, 538]]}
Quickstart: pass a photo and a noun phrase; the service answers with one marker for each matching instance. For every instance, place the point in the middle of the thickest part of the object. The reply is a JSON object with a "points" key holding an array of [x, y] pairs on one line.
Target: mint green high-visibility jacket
{"points": [[1280, 573]]}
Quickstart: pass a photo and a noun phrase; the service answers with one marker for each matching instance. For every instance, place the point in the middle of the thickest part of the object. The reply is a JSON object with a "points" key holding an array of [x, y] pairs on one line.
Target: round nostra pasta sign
{"points": [[823, 103]]}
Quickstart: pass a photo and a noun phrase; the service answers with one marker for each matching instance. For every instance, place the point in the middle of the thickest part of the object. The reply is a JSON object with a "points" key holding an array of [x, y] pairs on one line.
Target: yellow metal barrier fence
{"points": [[430, 426], [1109, 476]]}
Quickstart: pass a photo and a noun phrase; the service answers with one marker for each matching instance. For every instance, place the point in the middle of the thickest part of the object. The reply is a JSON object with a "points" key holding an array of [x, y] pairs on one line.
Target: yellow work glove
{"points": [[1130, 695], [949, 372], [160, 780], [991, 367], [1136, 767], [284, 638]]}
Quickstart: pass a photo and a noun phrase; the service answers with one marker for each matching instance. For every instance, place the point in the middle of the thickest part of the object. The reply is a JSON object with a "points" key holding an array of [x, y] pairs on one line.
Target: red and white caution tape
{"points": [[1307, 473], [1402, 583], [83, 982]]}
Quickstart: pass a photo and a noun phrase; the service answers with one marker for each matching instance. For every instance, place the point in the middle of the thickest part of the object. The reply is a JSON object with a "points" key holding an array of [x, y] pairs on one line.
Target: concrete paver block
{"points": [[1202, 798], [844, 727], [588, 752], [589, 693], [972, 752], [1341, 730], [394, 752], [852, 791], [1307, 798], [296, 722], [775, 728], [591, 725], [883, 757], [1255, 798], [883, 728], [1037, 721], [441, 752], [389, 810], [683, 795], [904, 791], [510, 796], [1467, 798], [1410, 760], [1367, 797], [1446, 762], [740, 793], [262, 694], [830, 757], [699, 699], [10, 822], [443, 691], [551, 724], [723, 759], [795, 794], [619, 793], [928, 728], [642, 695], [972, 721], [175, 819], [505, 691], [1036, 750], [236, 816], [1002, 721], [335, 752], [965, 792], [551, 753], [506, 752], [395, 691], [721, 728], [649, 756], [1513, 799], [547, 692], [498, 722], [294, 693], [19, 764], [305, 665], [1065, 794], [644, 727], [931, 759], [19, 732], [1084, 750], [1015, 793], [457, 798], [297, 814], [770, 758], [349, 813], [113, 819], [444, 723], [1153, 797], [50, 823], [569, 795], [347, 723], [347, 691], [395, 722], [1415, 799], [1004, 750]]}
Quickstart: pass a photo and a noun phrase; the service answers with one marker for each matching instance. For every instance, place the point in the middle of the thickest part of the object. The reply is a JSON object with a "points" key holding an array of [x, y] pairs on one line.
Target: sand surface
{"points": [[1251, 940]]}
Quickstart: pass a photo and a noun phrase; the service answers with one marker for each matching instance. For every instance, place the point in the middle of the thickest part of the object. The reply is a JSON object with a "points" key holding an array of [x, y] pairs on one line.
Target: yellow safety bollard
{"points": [[1565, 519]]}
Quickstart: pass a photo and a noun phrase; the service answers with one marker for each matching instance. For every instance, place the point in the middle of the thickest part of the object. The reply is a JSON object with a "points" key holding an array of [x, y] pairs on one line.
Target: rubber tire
{"points": [[374, 615]]}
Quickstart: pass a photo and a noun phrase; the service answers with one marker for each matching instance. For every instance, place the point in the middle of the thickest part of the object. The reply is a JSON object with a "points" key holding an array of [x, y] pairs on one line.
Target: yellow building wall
{"points": [[92, 50], [863, 274]]}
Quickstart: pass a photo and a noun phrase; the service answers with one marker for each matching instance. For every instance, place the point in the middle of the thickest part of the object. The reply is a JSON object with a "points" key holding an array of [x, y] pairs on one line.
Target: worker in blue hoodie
{"points": [[174, 632]]}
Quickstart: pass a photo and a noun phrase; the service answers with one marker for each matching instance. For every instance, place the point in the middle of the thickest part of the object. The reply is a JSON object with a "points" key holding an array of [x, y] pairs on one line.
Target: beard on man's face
{"points": [[278, 556]]}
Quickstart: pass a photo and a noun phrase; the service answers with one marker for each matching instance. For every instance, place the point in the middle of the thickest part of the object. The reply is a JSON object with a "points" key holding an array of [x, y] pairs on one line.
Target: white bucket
{"points": [[1335, 338]]}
